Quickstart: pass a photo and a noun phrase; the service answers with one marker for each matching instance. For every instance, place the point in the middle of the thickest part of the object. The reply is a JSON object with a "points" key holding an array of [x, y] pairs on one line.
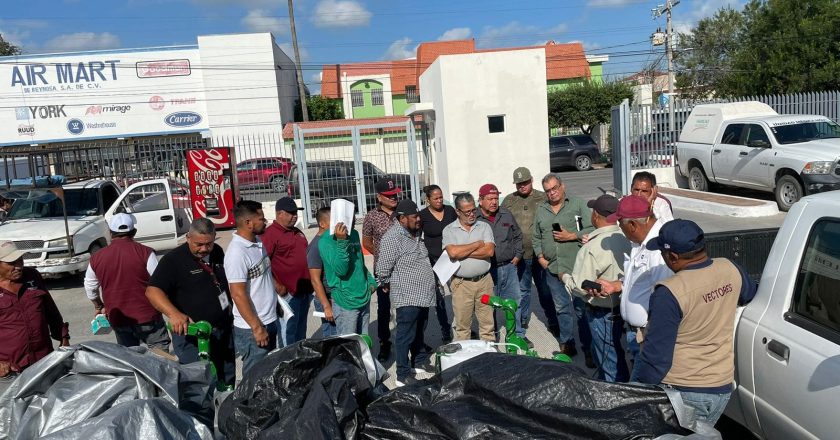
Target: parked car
{"points": [[270, 173], [652, 149], [749, 145], [577, 151], [787, 340], [334, 179]]}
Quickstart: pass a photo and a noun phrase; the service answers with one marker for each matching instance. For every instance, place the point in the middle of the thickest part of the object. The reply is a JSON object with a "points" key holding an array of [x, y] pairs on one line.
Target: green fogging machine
{"points": [[202, 330]]}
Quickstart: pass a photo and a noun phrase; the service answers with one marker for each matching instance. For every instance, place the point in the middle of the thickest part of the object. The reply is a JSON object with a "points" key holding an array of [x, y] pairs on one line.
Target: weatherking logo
{"points": [[100, 109], [182, 119], [157, 103], [157, 69]]}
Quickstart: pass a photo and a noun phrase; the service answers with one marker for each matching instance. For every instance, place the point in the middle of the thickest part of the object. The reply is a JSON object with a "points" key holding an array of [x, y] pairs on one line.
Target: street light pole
{"points": [[298, 70], [669, 52]]}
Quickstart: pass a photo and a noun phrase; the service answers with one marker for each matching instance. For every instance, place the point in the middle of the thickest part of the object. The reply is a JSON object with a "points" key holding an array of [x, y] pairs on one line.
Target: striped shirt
{"points": [[404, 264]]}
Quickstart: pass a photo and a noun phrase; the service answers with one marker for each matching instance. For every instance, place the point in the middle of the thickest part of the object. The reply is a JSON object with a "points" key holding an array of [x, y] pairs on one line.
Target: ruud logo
{"points": [[182, 119], [26, 130]]}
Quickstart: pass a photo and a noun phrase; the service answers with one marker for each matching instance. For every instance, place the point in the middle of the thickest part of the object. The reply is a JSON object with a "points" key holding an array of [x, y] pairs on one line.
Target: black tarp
{"points": [[496, 395]]}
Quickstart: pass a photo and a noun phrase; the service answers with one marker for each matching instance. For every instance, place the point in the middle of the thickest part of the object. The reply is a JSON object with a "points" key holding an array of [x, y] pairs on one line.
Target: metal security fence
{"points": [[347, 161]]}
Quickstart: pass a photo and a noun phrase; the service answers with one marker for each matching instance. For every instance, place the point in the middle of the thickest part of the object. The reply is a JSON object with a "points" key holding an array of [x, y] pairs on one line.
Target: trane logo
{"points": [[182, 119], [47, 111]]}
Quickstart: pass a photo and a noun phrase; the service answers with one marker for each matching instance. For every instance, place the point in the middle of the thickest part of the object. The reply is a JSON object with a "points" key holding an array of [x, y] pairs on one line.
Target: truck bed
{"points": [[749, 248]]}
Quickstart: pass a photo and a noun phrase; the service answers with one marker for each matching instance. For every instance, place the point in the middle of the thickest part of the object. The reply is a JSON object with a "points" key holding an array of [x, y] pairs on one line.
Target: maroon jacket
{"points": [[287, 250], [123, 278], [27, 320]]}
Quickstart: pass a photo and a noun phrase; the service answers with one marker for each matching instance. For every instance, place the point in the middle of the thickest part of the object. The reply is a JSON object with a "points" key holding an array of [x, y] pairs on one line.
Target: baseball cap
{"points": [[605, 205], [406, 207], [286, 204], [678, 236], [487, 189], [387, 187], [121, 222], [631, 207], [521, 174], [9, 252]]}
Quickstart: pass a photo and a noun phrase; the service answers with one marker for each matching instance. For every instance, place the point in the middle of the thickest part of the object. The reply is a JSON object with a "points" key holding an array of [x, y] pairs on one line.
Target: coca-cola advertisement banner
{"points": [[212, 193]]}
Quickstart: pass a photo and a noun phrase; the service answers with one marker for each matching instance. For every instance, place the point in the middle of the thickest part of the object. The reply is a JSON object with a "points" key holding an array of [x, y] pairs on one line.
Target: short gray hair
{"points": [[551, 176], [642, 220], [202, 226], [462, 198]]}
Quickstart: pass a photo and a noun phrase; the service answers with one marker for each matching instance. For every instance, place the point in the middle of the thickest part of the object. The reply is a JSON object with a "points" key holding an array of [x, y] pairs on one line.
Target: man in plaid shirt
{"points": [[405, 274]]}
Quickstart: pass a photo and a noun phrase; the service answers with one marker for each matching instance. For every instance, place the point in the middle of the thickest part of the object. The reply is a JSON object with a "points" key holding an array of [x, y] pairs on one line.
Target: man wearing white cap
{"points": [[116, 282]]}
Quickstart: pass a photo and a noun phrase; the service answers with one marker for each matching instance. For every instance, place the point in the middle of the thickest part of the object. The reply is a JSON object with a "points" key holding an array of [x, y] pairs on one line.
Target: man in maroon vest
{"points": [[116, 282]]}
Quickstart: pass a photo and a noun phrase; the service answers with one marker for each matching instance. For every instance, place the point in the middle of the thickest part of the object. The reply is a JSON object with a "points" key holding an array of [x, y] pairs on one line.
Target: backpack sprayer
{"points": [[452, 354], [202, 330]]}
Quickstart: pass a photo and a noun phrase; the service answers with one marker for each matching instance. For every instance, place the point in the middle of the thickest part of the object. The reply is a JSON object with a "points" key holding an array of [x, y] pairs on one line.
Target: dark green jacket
{"points": [[524, 209], [561, 255]]}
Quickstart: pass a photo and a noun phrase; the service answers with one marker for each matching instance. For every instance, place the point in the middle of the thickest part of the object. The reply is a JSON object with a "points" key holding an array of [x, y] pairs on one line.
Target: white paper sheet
{"points": [[445, 268], [341, 211]]}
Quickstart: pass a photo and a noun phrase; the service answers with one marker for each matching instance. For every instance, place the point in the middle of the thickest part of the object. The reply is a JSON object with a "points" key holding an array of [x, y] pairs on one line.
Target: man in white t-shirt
{"points": [[644, 186], [248, 270]]}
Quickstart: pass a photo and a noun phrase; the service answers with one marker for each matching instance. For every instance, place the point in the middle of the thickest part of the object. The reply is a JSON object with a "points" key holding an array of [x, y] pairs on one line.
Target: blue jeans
{"points": [[506, 285], [584, 333], [411, 323], [327, 328], [222, 353], [607, 329], [531, 273], [440, 311], [707, 407], [351, 321], [247, 348], [296, 325], [383, 316], [153, 334], [633, 347], [569, 311]]}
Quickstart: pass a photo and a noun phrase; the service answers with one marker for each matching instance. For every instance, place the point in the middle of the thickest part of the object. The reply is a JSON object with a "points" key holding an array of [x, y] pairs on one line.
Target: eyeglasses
{"points": [[469, 213], [553, 189]]}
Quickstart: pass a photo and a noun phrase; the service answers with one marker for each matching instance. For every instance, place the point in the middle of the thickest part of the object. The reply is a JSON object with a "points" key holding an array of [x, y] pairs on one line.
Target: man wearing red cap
{"points": [[508, 254], [643, 268]]}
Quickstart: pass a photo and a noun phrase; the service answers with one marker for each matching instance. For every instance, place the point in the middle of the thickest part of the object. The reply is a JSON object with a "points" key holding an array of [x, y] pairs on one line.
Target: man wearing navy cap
{"points": [[688, 345]]}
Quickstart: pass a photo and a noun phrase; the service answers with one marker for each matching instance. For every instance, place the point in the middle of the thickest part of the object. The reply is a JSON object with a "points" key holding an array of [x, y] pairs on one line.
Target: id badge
{"points": [[223, 301]]}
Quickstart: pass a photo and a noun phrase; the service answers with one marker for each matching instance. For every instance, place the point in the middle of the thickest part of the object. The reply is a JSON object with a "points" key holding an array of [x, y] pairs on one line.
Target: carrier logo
{"points": [[155, 69], [182, 119], [26, 130], [99, 109], [75, 126], [157, 103]]}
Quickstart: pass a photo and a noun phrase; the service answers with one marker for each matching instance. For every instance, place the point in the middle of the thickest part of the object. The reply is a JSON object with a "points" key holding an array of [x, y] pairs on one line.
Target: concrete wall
{"points": [[464, 90]]}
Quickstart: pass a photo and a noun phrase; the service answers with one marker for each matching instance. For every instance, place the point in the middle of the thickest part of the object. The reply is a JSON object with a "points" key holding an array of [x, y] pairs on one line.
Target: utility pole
{"points": [[298, 70], [669, 52]]}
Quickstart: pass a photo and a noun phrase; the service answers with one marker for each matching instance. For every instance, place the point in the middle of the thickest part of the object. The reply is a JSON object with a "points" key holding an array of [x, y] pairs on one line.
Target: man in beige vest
{"points": [[688, 345]]}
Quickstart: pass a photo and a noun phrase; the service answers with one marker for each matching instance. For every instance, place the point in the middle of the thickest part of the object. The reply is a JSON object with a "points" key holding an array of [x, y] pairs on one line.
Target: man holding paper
{"points": [[350, 283]]}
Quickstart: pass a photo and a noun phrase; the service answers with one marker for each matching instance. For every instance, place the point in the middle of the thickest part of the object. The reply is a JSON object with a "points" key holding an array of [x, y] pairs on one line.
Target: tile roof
{"points": [[563, 61], [338, 124]]}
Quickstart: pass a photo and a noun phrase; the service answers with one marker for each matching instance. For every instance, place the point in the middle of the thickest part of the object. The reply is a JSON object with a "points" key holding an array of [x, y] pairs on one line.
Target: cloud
{"points": [[82, 41], [610, 3], [461, 33], [289, 50], [314, 83], [261, 20], [18, 32], [400, 50], [516, 33], [341, 14]]}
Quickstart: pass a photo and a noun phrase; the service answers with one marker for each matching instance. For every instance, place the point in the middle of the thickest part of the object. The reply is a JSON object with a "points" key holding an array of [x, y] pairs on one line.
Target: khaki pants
{"points": [[466, 299]]}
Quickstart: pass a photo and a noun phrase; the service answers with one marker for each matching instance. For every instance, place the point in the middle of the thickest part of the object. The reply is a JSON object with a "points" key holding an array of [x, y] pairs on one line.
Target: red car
{"points": [[265, 172]]}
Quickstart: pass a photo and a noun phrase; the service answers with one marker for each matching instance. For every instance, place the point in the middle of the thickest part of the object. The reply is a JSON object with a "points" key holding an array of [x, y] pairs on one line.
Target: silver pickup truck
{"points": [[749, 145], [787, 340]]}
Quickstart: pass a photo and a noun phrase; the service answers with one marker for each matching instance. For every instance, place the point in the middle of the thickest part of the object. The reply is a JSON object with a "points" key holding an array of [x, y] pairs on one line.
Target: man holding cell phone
{"points": [[557, 239]]}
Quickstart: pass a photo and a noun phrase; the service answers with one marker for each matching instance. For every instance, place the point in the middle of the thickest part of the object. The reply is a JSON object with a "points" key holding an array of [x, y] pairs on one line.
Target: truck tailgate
{"points": [[749, 248]]}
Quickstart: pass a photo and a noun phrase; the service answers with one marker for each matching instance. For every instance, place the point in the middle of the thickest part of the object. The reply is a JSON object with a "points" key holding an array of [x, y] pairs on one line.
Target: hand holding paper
{"points": [[341, 211], [445, 267]]}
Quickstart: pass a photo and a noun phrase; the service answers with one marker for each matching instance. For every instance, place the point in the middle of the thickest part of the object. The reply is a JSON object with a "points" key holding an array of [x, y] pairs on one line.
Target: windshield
{"points": [[805, 131], [45, 204]]}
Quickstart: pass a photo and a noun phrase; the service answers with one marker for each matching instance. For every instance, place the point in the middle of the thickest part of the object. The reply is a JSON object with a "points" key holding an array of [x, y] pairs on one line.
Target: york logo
{"points": [[47, 111], [182, 119]]}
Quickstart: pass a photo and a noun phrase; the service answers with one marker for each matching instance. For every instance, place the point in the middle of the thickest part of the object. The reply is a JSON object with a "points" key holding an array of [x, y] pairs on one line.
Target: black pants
{"points": [[222, 353], [411, 324], [383, 316]]}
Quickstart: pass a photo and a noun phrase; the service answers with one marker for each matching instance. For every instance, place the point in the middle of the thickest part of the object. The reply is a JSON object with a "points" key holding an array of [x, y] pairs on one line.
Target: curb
{"points": [[764, 209]]}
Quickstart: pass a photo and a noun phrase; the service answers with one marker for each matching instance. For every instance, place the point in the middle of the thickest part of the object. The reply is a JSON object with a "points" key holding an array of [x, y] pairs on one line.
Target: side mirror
{"points": [[120, 209], [758, 144]]}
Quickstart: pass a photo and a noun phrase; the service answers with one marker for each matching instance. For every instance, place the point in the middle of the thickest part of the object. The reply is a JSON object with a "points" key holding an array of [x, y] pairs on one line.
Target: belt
{"points": [[503, 263], [616, 309], [473, 279]]}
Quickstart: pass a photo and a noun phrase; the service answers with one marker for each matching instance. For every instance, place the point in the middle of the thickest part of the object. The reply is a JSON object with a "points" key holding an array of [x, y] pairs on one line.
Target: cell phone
{"points": [[557, 227], [589, 284]]}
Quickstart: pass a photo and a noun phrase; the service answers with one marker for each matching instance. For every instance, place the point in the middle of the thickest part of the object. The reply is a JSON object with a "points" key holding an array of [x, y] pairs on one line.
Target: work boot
{"points": [[568, 349], [384, 351], [590, 362]]}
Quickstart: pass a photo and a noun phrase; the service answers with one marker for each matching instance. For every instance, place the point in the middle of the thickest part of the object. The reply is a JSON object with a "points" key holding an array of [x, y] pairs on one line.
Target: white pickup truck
{"points": [[36, 222], [787, 340], [749, 145]]}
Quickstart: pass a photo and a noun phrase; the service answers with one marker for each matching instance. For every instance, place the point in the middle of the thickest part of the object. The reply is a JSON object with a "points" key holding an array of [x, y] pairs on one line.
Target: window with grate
{"points": [[411, 95], [376, 97], [356, 98]]}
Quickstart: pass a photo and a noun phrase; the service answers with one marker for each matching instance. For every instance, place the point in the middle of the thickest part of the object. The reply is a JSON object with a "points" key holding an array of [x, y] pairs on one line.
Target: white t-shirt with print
{"points": [[247, 262]]}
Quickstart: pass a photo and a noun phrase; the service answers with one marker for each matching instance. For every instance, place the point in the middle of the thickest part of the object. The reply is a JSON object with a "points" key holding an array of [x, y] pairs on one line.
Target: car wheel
{"points": [[583, 163], [94, 248], [279, 184], [788, 191], [634, 160], [316, 202], [697, 179]]}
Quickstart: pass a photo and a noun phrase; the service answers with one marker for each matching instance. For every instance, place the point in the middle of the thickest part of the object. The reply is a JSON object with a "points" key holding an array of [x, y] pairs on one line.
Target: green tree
{"points": [[7, 48], [320, 109], [704, 58], [585, 105]]}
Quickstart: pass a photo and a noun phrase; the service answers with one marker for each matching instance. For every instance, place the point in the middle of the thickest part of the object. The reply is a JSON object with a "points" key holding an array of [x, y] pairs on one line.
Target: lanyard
{"points": [[207, 268]]}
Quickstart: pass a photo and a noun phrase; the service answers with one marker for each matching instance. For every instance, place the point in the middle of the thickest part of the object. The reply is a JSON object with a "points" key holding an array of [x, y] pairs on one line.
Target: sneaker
{"points": [[405, 380], [568, 349], [590, 362], [384, 352], [528, 341], [424, 367]]}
